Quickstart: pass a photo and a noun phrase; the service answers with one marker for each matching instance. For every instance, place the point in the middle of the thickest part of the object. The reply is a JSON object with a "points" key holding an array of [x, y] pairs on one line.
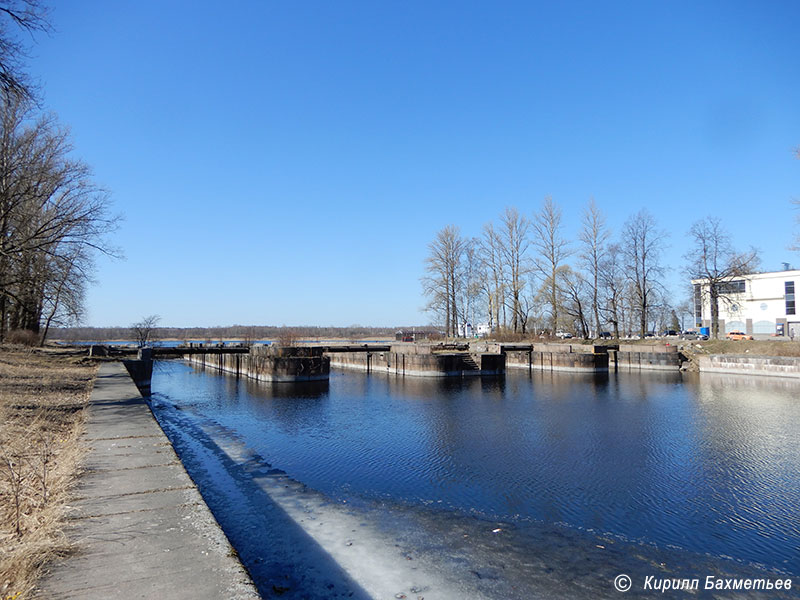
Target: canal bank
{"points": [[742, 364], [140, 527], [379, 474]]}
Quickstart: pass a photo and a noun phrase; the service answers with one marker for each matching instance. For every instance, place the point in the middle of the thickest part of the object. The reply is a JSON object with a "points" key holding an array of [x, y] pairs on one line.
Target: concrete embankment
{"points": [[657, 357], [743, 364], [422, 361], [140, 528], [267, 363], [589, 358], [556, 357]]}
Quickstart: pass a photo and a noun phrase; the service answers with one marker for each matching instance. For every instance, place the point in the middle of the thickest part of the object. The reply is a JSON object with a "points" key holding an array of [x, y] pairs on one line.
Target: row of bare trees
{"points": [[52, 215], [524, 275], [147, 330], [52, 218]]}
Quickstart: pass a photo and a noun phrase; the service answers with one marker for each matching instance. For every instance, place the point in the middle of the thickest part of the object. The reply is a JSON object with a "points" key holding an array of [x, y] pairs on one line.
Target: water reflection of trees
{"points": [[747, 456]]}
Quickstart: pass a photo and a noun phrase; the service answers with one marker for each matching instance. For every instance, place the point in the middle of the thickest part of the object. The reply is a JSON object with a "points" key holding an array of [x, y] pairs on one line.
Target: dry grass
{"points": [[43, 397], [754, 347]]}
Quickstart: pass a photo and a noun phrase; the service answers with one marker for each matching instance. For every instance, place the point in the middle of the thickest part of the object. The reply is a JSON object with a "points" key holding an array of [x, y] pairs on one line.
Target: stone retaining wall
{"points": [[780, 366], [266, 367], [657, 357], [549, 360], [421, 365]]}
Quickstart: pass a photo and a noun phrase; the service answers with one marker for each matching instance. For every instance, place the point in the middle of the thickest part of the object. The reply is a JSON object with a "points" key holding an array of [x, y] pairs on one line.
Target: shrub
{"points": [[23, 337]]}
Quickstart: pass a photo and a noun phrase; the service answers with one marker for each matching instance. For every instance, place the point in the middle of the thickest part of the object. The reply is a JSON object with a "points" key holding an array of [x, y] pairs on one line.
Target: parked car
{"points": [[694, 335], [649, 334], [564, 335], [738, 335], [669, 333], [605, 335]]}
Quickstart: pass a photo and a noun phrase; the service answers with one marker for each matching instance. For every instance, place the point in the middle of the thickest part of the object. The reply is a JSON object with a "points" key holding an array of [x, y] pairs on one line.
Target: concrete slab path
{"points": [[140, 527]]}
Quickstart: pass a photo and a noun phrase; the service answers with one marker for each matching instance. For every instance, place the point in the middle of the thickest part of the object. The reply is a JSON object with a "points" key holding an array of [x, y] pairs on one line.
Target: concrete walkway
{"points": [[140, 527]]}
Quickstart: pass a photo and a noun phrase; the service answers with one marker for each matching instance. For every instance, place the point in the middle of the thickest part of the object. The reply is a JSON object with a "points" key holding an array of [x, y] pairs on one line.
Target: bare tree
{"points": [[287, 337], [685, 309], [619, 301], [64, 290], [593, 238], [28, 17], [641, 247], [530, 309], [50, 212], [143, 330], [495, 287], [713, 259], [612, 285], [576, 299], [473, 277], [441, 285], [552, 250], [513, 248]]}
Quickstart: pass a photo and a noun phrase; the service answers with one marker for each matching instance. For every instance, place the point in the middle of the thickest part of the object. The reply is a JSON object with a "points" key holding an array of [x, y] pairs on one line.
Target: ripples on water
{"points": [[709, 464]]}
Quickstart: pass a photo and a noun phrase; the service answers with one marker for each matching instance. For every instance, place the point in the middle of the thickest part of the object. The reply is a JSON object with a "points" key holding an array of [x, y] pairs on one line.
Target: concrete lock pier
{"points": [[555, 357], [421, 360], [657, 357], [313, 363], [269, 363], [587, 358]]}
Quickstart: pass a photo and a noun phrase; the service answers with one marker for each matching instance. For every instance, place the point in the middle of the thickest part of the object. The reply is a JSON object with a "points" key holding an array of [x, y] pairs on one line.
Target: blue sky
{"points": [[288, 162]]}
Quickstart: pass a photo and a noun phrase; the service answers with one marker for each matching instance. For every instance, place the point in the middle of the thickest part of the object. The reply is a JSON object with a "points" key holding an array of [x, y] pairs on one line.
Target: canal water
{"points": [[538, 485]]}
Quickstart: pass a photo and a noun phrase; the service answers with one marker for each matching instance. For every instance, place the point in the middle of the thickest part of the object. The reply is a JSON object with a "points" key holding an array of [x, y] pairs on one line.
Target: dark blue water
{"points": [[705, 464]]}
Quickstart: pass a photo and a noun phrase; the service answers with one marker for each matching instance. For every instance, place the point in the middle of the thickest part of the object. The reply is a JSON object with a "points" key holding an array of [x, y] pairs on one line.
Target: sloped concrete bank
{"points": [[140, 528], [744, 364]]}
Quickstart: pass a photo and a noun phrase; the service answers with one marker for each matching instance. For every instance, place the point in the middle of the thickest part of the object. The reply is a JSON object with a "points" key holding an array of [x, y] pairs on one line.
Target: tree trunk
{"points": [[714, 299]]}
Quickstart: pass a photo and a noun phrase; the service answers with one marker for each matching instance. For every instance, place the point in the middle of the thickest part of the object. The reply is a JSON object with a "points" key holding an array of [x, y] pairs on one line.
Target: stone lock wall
{"points": [[653, 357], [559, 357], [265, 365], [781, 366], [421, 364]]}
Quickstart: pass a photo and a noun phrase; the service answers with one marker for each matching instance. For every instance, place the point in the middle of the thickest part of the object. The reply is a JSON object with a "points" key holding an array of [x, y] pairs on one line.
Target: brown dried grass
{"points": [[43, 399], [754, 347]]}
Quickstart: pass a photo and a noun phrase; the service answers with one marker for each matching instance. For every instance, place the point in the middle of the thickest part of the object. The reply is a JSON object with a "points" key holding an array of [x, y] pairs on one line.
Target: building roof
{"points": [[787, 273]]}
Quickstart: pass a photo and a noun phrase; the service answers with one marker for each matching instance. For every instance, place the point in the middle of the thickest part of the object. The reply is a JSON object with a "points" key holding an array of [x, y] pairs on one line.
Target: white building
{"points": [[758, 303], [483, 329], [480, 330]]}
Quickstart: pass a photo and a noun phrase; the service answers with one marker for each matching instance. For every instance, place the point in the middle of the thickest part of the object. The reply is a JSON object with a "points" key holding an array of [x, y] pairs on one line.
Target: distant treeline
{"points": [[238, 332]]}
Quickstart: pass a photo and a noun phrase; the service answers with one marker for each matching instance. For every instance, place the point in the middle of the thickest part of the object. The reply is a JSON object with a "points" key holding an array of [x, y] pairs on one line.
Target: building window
{"points": [[698, 303], [789, 287], [731, 287]]}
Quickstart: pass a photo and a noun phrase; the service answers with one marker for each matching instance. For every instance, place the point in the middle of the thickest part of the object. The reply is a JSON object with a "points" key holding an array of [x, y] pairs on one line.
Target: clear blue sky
{"points": [[288, 162]]}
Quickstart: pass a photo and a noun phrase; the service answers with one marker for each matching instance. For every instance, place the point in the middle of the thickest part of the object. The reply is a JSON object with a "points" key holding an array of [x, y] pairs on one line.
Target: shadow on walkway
{"points": [[283, 560]]}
